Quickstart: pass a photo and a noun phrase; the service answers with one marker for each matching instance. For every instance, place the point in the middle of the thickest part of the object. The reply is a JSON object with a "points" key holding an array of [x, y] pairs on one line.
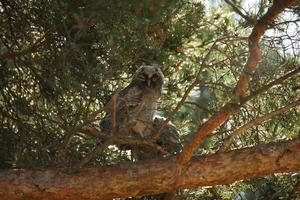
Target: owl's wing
{"points": [[128, 102], [169, 138]]}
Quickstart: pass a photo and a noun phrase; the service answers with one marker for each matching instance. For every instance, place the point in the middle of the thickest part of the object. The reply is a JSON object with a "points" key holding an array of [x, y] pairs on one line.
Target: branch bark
{"points": [[242, 85], [253, 43], [150, 177]]}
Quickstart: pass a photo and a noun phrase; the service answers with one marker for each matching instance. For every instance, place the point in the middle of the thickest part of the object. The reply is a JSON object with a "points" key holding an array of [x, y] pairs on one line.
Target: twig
{"points": [[198, 106], [271, 84], [92, 117], [143, 142], [238, 11], [98, 150], [114, 139], [191, 87], [255, 122], [32, 48], [254, 50], [242, 86], [83, 128], [92, 132]]}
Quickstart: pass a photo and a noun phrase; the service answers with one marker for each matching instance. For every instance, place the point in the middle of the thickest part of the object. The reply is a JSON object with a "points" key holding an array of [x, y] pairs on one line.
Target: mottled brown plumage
{"points": [[135, 108], [136, 104]]}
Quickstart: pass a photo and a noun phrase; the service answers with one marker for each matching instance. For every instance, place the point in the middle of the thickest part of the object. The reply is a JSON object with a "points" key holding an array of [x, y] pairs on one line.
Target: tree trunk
{"points": [[150, 176]]}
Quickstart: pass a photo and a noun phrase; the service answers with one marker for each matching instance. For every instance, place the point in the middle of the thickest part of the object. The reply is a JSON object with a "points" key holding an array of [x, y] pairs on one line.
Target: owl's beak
{"points": [[148, 82]]}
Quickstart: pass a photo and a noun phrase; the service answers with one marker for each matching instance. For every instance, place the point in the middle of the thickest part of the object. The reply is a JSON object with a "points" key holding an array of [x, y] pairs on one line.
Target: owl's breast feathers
{"points": [[135, 109]]}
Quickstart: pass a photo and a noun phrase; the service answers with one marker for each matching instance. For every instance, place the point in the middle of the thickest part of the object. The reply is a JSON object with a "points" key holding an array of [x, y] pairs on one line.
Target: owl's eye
{"points": [[154, 78], [142, 77]]}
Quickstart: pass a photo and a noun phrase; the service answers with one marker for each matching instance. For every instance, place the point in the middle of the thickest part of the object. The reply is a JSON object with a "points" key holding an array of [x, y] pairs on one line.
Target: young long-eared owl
{"points": [[136, 104]]}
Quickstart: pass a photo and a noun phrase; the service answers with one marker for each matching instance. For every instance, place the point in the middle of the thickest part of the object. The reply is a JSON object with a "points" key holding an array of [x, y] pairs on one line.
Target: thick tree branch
{"points": [[150, 177], [242, 86], [254, 50], [205, 129]]}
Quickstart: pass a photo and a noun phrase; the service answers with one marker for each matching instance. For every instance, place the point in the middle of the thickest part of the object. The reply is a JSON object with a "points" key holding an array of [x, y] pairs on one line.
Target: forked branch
{"points": [[243, 83]]}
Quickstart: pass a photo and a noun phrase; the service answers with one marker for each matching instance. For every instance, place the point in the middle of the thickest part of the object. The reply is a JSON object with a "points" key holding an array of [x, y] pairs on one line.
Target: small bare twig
{"points": [[114, 139], [34, 47], [143, 142], [191, 87], [238, 11], [271, 84], [255, 122], [92, 132], [84, 128], [98, 150], [198, 106]]}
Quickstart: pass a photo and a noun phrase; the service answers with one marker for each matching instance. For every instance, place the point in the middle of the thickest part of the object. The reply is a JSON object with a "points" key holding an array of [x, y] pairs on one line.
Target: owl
{"points": [[136, 104], [169, 140]]}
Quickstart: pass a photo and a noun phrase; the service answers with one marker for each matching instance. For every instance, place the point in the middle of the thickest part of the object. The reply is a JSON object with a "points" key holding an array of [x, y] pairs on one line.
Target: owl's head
{"points": [[149, 76]]}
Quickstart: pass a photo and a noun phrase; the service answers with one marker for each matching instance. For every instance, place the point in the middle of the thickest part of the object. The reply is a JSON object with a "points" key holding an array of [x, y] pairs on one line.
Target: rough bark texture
{"points": [[150, 177]]}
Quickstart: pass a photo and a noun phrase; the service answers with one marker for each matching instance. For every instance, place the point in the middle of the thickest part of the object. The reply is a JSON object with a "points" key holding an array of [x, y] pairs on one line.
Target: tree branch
{"points": [[239, 12], [255, 122], [254, 50], [271, 84], [115, 139], [33, 48], [195, 82], [150, 177], [242, 86]]}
